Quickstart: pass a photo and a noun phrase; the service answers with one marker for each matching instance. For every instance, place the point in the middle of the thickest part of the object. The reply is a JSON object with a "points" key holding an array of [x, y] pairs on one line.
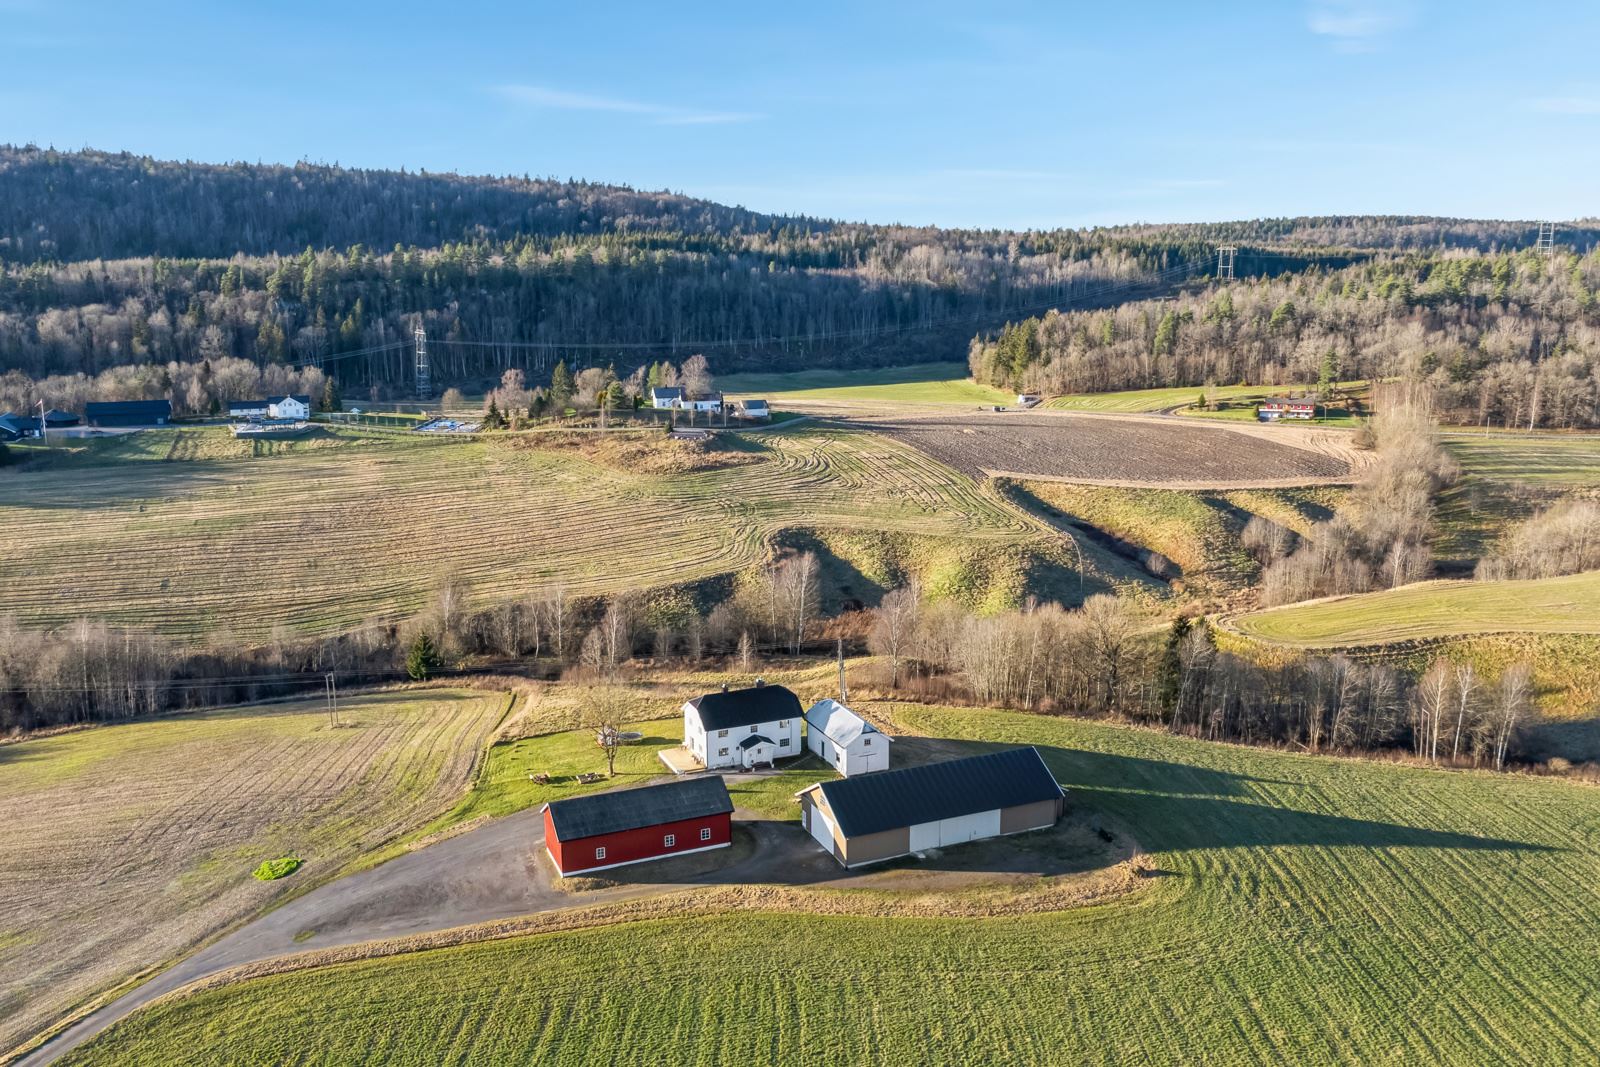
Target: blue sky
{"points": [[1001, 114]]}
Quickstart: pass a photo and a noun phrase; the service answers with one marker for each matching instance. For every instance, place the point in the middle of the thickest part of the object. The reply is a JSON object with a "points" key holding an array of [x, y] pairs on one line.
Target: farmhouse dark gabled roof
{"points": [[755, 739], [889, 800], [746, 707], [632, 809], [304, 399], [666, 392]]}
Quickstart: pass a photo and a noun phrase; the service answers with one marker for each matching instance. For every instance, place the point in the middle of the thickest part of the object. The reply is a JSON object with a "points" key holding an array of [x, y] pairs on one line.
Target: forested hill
{"points": [[110, 260], [100, 205]]}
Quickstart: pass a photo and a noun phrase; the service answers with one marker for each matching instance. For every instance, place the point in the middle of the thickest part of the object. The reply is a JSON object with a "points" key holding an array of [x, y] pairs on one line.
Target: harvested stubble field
{"points": [[1127, 450], [125, 845], [1301, 909], [1426, 610], [364, 532]]}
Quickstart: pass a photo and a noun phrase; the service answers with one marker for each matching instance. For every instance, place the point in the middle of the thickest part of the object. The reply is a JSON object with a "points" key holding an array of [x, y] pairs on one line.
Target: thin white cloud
{"points": [[539, 96], [1355, 25], [1567, 105]]}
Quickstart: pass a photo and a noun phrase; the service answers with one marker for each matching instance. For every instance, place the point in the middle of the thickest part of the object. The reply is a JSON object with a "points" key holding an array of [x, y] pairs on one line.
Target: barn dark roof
{"points": [[57, 417], [889, 800], [631, 809], [746, 707], [152, 408]]}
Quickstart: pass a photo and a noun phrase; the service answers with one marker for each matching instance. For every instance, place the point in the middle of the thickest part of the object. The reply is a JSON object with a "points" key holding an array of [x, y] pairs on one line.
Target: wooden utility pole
{"points": [[330, 688], [844, 693]]}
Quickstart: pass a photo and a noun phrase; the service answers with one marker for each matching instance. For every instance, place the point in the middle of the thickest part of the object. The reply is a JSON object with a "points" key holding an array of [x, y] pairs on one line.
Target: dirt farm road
{"points": [[497, 871]]}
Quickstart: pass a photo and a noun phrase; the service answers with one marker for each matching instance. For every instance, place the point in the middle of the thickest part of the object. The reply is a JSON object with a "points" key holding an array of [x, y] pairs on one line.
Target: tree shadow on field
{"points": [[1174, 806]]}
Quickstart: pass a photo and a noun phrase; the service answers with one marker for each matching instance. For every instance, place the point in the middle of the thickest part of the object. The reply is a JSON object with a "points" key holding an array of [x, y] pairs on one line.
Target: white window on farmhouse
{"points": [[866, 742], [722, 733], [783, 743], [670, 841], [783, 724], [755, 729], [600, 852], [705, 833], [722, 752]]}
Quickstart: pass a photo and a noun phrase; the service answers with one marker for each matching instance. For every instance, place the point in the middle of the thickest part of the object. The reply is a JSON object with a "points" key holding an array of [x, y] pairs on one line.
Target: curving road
{"points": [[493, 872]]}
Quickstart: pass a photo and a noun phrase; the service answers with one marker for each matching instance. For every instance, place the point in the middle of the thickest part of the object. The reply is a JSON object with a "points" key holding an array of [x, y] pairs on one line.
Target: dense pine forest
{"points": [[113, 262]]}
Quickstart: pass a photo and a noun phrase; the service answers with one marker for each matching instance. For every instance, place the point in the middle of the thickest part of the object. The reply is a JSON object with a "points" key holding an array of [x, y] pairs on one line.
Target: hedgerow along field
{"points": [[319, 540], [1302, 909], [1424, 610], [126, 845]]}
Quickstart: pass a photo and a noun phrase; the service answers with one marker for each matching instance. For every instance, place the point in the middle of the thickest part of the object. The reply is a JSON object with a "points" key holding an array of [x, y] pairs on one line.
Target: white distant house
{"points": [[273, 407], [289, 407], [709, 402], [753, 410], [846, 741], [666, 396], [743, 728]]}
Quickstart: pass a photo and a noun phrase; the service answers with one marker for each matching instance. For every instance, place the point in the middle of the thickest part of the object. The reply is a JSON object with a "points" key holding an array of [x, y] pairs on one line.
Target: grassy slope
{"points": [[1436, 609], [923, 383], [126, 844], [1310, 910], [1134, 400], [170, 545], [1554, 460], [1197, 531]]}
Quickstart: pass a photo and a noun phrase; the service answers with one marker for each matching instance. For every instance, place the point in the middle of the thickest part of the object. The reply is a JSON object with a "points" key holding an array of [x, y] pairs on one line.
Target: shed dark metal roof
{"points": [[57, 417], [746, 707], [889, 800], [154, 408], [631, 809]]}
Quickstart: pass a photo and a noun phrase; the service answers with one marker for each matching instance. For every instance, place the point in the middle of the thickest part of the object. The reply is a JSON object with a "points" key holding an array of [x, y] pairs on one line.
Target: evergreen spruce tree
{"points": [[332, 398], [1169, 672], [422, 662], [561, 387], [492, 419]]}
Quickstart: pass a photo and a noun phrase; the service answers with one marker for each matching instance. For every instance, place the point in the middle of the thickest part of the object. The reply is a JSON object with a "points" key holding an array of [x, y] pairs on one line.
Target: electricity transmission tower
{"points": [[1546, 244], [1225, 255], [424, 376]]}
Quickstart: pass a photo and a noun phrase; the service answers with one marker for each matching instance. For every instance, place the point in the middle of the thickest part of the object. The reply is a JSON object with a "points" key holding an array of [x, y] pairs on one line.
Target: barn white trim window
{"points": [[669, 841], [600, 852], [705, 833]]}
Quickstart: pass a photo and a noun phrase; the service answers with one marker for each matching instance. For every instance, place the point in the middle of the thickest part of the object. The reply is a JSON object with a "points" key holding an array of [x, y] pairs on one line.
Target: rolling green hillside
{"points": [[1569, 604]]}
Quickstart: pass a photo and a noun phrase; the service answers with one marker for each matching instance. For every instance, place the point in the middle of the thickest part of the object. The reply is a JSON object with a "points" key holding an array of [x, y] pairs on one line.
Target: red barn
{"points": [[592, 833]]}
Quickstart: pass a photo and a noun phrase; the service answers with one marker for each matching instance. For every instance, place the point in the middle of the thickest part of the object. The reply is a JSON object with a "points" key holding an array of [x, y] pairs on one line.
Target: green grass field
{"points": [[1569, 604], [1551, 460], [1184, 400], [170, 529], [127, 844], [923, 383], [1304, 910]]}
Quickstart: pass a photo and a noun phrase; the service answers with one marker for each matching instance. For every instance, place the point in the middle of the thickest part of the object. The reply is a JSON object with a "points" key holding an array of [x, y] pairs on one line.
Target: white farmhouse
{"points": [[288, 407], [844, 740], [743, 728], [666, 396]]}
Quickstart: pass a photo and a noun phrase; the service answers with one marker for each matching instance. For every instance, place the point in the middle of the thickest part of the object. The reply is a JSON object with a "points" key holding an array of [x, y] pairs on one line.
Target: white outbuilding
{"points": [[844, 740]]}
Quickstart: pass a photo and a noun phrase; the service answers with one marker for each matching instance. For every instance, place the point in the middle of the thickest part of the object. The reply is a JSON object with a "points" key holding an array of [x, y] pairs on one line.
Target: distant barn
{"points": [[118, 413], [604, 830]]}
